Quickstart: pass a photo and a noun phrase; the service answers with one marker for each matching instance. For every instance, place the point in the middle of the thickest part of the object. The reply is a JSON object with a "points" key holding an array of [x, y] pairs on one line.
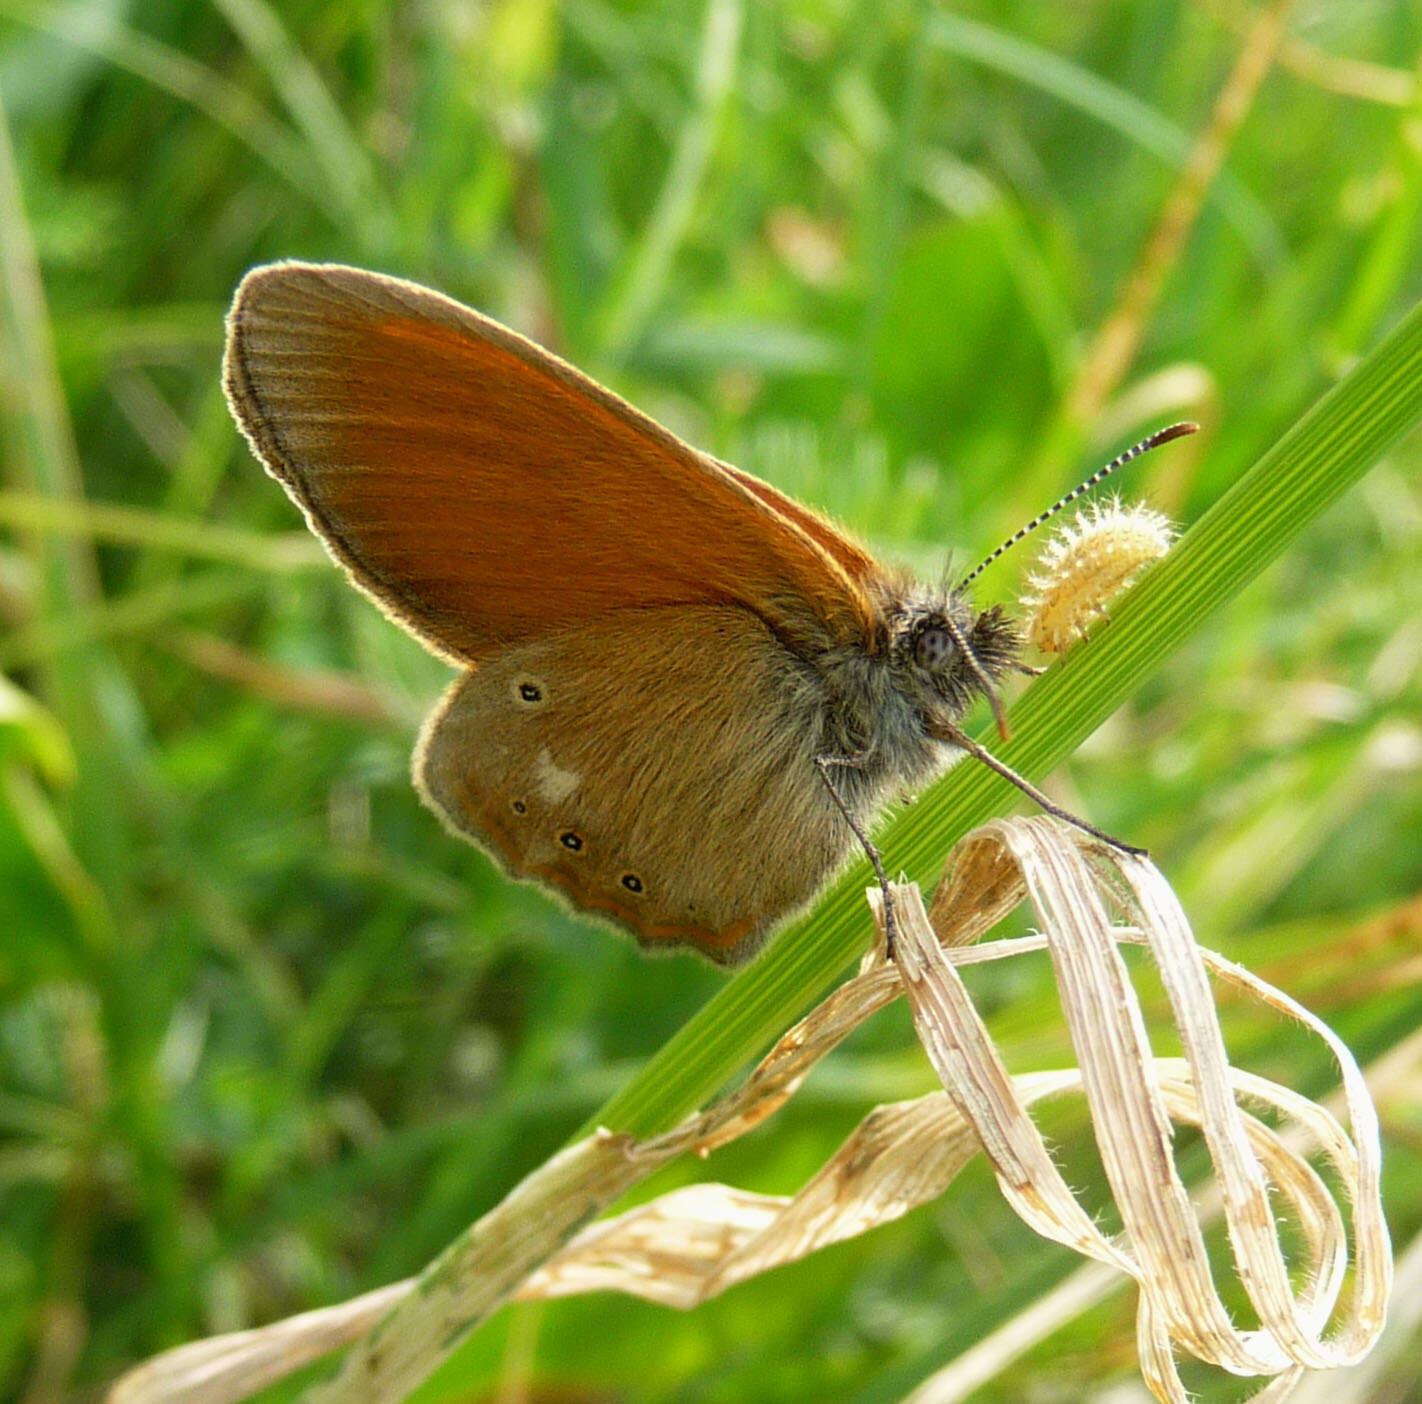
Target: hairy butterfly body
{"points": [[657, 648]]}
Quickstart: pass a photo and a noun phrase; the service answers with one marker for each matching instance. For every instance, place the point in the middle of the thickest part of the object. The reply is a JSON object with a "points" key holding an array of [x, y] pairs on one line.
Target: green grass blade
{"points": [[348, 173], [1110, 105], [1329, 449], [182, 77], [649, 262], [133, 526]]}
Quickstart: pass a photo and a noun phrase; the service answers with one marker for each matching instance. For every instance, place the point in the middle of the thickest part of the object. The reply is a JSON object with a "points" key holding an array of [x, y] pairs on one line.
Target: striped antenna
{"points": [[1161, 436]]}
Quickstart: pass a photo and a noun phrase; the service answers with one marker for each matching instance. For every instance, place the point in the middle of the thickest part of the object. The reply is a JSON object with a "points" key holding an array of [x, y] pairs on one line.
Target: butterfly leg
{"points": [[946, 731], [823, 764]]}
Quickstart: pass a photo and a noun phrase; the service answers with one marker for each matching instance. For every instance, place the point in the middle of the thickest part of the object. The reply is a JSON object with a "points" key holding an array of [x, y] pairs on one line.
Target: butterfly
{"points": [[682, 695]]}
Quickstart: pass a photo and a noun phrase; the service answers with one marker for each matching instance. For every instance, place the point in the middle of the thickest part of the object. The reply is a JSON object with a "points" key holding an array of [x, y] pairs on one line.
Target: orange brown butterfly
{"points": [[682, 695]]}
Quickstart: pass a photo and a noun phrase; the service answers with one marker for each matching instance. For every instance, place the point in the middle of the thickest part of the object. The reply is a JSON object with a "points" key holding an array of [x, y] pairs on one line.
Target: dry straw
{"points": [[1322, 1311]]}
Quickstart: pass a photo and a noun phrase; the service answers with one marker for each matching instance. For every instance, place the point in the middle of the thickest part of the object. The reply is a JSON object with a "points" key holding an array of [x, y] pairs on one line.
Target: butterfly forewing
{"points": [[485, 492], [856, 562]]}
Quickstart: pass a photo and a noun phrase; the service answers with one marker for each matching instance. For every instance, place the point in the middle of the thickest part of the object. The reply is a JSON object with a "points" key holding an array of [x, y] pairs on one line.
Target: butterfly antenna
{"points": [[1161, 436]]}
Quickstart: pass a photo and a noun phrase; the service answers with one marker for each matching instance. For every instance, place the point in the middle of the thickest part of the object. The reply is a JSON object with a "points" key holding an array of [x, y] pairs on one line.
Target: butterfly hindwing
{"points": [[656, 769]]}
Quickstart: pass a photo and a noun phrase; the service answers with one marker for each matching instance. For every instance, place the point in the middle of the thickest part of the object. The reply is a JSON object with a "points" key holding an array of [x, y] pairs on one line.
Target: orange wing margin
{"points": [[856, 562], [485, 492]]}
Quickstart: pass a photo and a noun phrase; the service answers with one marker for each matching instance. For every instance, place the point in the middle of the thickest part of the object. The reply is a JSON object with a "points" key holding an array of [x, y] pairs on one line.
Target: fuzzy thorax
{"points": [[883, 701]]}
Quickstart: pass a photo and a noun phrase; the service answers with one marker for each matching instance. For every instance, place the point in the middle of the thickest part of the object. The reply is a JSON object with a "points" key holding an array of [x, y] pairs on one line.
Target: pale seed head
{"points": [[1088, 561]]}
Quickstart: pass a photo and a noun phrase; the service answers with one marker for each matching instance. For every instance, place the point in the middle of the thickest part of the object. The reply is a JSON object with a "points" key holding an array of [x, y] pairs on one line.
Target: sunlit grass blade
{"points": [[38, 451], [1108, 104], [141, 612], [182, 77], [347, 172], [1326, 451], [132, 526], [644, 276]]}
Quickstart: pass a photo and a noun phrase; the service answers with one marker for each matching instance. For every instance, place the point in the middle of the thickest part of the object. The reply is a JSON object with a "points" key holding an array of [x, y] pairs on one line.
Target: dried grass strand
{"points": [[687, 1246]]}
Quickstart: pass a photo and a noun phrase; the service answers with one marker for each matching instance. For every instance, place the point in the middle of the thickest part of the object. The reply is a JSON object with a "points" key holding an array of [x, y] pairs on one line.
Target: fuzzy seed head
{"points": [[1089, 560]]}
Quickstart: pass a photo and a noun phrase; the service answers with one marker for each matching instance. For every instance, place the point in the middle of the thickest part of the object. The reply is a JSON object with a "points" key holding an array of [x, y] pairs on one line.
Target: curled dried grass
{"points": [[693, 1243]]}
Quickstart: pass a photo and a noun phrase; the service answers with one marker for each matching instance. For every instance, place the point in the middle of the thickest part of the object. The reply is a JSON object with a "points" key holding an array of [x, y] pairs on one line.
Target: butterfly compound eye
{"points": [[933, 647]]}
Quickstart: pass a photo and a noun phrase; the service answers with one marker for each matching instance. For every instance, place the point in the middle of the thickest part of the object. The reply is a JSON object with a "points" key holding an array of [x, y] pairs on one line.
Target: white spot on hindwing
{"points": [[554, 783]]}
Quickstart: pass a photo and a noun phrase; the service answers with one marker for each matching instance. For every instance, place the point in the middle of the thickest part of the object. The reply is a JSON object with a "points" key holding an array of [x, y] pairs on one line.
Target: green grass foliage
{"points": [[268, 1037]]}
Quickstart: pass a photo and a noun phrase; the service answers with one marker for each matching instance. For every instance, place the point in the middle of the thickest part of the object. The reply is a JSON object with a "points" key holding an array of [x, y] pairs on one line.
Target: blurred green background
{"points": [[268, 1037]]}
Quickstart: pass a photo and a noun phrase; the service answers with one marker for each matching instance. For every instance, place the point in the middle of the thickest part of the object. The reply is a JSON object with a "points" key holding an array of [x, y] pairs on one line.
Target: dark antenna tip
{"points": [[1171, 431], [1161, 436]]}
